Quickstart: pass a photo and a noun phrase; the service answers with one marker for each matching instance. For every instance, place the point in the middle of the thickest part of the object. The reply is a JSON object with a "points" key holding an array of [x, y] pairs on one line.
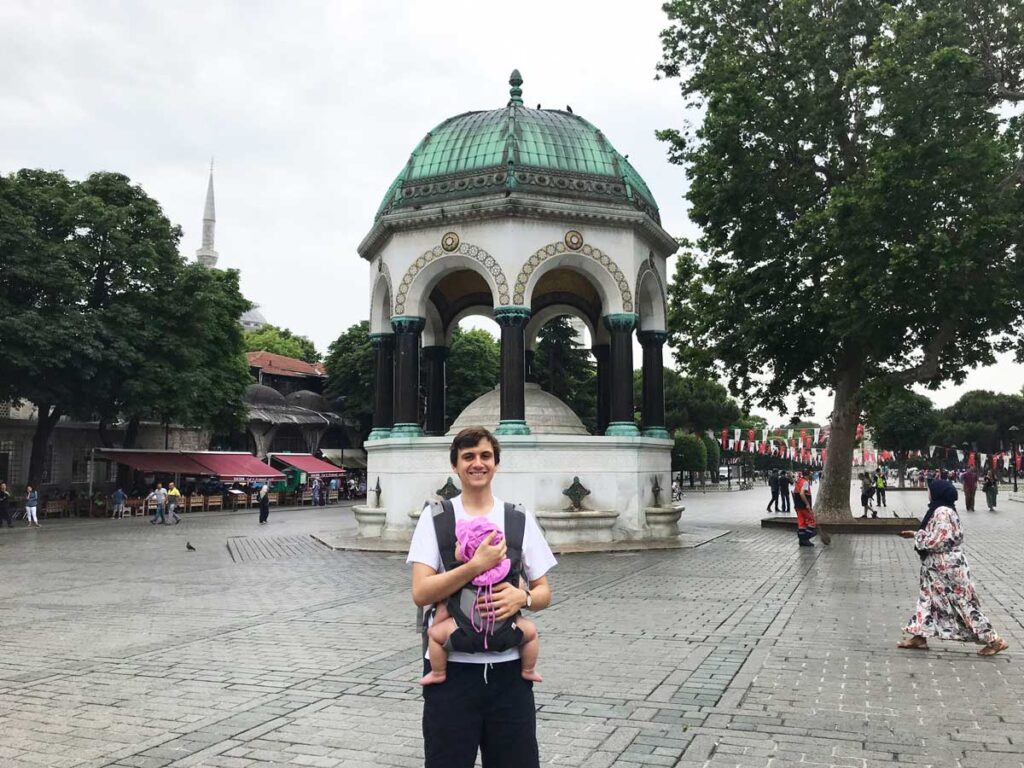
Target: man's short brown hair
{"points": [[470, 437]]}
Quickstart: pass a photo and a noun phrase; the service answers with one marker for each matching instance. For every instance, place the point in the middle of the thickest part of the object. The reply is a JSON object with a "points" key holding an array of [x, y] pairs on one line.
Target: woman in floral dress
{"points": [[948, 606]]}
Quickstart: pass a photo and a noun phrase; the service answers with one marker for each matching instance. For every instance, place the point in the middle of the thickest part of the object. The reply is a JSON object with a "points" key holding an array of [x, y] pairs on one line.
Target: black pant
{"points": [[468, 711], [881, 495], [5, 516], [264, 513], [775, 500], [784, 496]]}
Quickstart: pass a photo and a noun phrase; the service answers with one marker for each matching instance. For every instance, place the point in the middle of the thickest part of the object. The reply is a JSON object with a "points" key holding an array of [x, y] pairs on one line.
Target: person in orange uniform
{"points": [[806, 526]]}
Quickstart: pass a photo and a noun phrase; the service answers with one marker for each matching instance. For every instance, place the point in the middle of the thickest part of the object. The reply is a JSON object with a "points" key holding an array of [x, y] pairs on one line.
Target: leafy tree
{"points": [[473, 368], [351, 374], [981, 419], [689, 454], [901, 421], [714, 451], [566, 370], [281, 341], [693, 403], [858, 187]]}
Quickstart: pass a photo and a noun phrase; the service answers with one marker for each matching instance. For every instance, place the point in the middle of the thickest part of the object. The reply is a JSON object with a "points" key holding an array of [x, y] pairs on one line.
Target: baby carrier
{"points": [[472, 636]]}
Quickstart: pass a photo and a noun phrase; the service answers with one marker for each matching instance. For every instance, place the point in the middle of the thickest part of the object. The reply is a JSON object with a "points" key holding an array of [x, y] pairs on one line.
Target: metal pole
{"points": [[92, 460]]}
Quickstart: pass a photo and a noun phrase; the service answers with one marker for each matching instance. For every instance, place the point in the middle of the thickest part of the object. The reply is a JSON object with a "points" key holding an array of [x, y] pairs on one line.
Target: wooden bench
{"points": [[55, 508], [214, 502]]}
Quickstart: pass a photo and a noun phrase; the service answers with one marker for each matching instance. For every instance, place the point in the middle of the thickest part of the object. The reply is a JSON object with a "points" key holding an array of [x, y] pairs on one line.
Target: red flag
{"points": [[971, 460], [750, 436], [860, 432], [725, 439], [1019, 457]]}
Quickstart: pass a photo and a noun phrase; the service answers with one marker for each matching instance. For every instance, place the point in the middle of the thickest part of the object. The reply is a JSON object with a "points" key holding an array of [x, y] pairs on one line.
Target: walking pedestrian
{"points": [[117, 501], [264, 499], [158, 497], [773, 486], [991, 488], [31, 506], [784, 483], [947, 605], [5, 506], [485, 705], [173, 501], [866, 489], [970, 483]]}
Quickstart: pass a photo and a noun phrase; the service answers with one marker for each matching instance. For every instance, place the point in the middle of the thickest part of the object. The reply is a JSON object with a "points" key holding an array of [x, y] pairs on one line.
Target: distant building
{"points": [[286, 374]]}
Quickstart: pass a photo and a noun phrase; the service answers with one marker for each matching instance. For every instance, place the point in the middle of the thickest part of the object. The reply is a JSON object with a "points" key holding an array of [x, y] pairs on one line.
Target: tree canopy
{"points": [[351, 376], [281, 341], [859, 193], [689, 454], [473, 368], [100, 316]]}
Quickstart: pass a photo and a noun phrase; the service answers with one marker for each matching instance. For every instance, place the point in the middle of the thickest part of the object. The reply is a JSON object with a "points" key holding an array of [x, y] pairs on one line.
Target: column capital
{"points": [[382, 340], [512, 316], [408, 323], [620, 321], [652, 338]]}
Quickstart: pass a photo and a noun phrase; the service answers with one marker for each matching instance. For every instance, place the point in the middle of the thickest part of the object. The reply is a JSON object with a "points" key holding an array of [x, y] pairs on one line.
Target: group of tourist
{"points": [[872, 487], [31, 502]]}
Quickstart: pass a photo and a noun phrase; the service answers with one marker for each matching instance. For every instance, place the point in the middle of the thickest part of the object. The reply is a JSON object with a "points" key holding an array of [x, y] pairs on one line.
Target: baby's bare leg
{"points": [[437, 636], [529, 650]]}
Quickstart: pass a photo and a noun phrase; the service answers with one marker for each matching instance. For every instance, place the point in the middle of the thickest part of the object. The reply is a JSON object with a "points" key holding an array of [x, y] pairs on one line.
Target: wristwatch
{"points": [[529, 600]]}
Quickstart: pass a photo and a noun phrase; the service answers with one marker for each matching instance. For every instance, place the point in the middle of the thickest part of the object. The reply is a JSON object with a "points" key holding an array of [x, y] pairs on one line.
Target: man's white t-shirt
{"points": [[537, 561]]}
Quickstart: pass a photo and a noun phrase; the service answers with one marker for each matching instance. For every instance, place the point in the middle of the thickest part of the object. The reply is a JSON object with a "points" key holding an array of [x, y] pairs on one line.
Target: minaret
{"points": [[206, 255]]}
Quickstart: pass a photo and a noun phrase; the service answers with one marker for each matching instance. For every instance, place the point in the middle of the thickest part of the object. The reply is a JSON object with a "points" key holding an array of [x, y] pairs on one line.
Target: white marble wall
{"points": [[534, 471]]}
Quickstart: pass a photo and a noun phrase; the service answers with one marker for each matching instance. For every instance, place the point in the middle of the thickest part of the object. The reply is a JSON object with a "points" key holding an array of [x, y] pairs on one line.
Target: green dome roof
{"points": [[548, 151]]}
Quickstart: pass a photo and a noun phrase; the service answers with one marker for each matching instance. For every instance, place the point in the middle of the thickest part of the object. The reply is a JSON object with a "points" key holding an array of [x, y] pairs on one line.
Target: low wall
{"points": [[534, 470]]}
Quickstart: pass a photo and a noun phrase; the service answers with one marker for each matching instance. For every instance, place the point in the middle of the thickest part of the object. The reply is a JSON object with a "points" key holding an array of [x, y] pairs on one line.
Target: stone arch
{"points": [[430, 267], [381, 305], [481, 310], [650, 299], [433, 331], [606, 275], [540, 318]]}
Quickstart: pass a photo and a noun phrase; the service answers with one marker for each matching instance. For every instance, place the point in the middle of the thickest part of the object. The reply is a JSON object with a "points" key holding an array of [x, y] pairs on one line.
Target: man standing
{"points": [[173, 500], [5, 506], [784, 481], [158, 497], [485, 704], [117, 500], [264, 498], [880, 486], [773, 485], [970, 482]]}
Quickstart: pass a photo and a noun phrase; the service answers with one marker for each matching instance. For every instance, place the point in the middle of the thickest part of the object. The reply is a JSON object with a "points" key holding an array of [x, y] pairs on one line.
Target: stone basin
{"points": [[566, 526], [663, 522], [370, 520]]}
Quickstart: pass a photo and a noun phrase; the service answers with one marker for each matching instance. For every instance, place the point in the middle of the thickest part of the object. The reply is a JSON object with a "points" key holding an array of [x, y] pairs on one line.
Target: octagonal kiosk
{"points": [[520, 215]]}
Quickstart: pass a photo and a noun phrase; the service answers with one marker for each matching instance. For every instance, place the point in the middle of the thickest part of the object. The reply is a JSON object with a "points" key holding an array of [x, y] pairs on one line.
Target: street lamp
{"points": [[1013, 454]]}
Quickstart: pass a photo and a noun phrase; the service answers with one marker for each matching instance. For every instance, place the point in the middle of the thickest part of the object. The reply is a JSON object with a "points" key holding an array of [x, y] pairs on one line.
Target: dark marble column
{"points": [[620, 327], [513, 369], [434, 360], [384, 363], [407, 375], [602, 353], [654, 383]]}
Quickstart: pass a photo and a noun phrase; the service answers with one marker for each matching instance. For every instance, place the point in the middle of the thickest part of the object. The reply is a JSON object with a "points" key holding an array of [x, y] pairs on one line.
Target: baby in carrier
{"points": [[479, 632]]}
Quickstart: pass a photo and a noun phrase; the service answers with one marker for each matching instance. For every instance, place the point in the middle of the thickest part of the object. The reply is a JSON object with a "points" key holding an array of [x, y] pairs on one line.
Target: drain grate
{"points": [[244, 549]]}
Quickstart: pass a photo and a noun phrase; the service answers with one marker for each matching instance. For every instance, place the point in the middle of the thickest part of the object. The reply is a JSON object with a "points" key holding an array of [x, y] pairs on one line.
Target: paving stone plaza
{"points": [[121, 648]]}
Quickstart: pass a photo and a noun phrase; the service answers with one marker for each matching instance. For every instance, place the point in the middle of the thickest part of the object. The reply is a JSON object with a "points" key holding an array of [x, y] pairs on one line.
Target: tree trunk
{"points": [[901, 468], [106, 440], [833, 502], [48, 416]]}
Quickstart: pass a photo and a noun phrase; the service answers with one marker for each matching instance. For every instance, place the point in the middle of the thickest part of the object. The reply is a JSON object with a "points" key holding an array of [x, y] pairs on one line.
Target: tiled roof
{"points": [[279, 365]]}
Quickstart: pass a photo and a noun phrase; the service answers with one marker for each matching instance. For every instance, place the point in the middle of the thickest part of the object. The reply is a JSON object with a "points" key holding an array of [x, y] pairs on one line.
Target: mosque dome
{"points": [[545, 413], [259, 394], [304, 398], [550, 152], [252, 319]]}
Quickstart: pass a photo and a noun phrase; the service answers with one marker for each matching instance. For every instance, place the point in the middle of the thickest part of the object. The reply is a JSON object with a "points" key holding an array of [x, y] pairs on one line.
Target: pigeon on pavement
{"points": [[189, 547]]}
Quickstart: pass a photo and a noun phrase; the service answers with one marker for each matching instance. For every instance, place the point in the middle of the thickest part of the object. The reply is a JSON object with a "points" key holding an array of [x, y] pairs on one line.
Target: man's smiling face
{"points": [[476, 466]]}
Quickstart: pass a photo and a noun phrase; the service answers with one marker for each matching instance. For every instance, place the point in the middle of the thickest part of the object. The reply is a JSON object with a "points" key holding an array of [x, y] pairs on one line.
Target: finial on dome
{"points": [[515, 92]]}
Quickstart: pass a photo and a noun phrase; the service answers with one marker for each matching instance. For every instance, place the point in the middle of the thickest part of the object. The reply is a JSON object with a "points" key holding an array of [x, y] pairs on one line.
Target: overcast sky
{"points": [[311, 109]]}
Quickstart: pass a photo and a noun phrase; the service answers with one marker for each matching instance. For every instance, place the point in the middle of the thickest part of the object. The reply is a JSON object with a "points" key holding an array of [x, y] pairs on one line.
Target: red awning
{"points": [[171, 462], [237, 467], [309, 464], [226, 466]]}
